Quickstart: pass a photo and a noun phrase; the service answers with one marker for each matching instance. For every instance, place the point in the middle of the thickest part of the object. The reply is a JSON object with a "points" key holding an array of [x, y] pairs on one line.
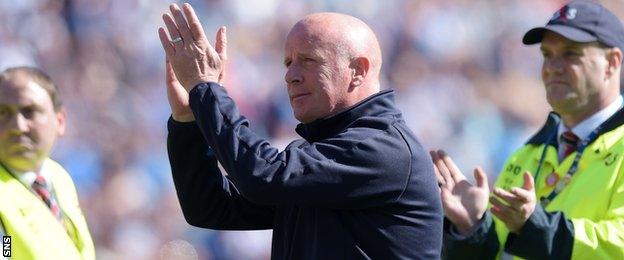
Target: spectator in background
{"points": [[561, 195], [38, 202], [358, 185]]}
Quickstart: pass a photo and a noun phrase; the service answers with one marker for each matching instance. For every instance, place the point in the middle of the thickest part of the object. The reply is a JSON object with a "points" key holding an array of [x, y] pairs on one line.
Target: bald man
{"points": [[357, 185]]}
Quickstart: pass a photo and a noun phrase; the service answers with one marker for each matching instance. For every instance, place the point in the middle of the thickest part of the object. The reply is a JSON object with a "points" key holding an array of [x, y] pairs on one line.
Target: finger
{"points": [[221, 44], [441, 181], [183, 27], [444, 172], [197, 32], [529, 183], [221, 48], [438, 172], [481, 178], [172, 28], [500, 205], [510, 198], [166, 43], [522, 194], [435, 169], [500, 214], [447, 197], [454, 171]]}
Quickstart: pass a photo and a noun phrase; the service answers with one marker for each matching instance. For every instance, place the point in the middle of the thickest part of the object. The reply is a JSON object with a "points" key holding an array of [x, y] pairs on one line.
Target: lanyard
{"points": [[541, 161], [580, 148]]}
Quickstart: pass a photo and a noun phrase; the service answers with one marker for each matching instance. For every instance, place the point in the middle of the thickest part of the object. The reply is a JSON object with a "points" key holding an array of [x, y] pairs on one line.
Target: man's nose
{"points": [[293, 75], [554, 65]]}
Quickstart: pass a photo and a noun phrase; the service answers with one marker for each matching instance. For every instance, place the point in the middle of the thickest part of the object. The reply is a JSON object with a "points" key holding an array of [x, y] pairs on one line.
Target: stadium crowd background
{"points": [[463, 79]]}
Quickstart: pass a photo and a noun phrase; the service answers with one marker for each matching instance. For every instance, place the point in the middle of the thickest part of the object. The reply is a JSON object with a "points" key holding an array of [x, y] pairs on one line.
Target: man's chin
{"points": [[23, 162], [564, 105], [302, 119], [300, 115]]}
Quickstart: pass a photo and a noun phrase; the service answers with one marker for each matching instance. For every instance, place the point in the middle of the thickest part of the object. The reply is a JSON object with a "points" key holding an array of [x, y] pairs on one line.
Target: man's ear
{"points": [[61, 119], [359, 70], [614, 57]]}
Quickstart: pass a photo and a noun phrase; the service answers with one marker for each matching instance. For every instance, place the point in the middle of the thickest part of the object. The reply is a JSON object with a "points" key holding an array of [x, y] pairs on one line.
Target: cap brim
{"points": [[535, 35]]}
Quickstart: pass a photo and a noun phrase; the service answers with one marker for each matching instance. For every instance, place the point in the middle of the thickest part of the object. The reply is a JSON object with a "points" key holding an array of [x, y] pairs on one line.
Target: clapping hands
{"points": [[465, 203], [191, 59]]}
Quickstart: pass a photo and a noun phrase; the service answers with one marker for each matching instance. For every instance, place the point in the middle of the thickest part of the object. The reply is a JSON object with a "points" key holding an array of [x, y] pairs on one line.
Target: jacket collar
{"points": [[544, 136], [380, 104]]}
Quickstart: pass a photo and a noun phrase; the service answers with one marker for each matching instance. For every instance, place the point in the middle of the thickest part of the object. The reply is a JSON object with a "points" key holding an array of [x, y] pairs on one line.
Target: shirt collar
{"points": [[28, 178], [585, 127]]}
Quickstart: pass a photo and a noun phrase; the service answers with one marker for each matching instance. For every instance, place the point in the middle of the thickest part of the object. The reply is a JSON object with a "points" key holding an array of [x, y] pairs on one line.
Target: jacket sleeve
{"points": [[354, 170], [208, 198], [551, 235], [482, 243], [544, 236]]}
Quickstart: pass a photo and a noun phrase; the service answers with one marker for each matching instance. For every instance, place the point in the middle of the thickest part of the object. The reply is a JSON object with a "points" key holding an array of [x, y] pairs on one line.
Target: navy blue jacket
{"points": [[357, 186]]}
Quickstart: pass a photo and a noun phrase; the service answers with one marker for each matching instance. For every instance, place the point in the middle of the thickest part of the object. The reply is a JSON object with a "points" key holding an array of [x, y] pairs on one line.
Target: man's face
{"points": [[317, 76], [573, 74], [28, 124]]}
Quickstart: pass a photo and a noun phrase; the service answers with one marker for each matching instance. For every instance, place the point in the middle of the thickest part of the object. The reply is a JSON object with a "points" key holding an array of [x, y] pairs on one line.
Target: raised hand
{"points": [[464, 203], [192, 58], [519, 204]]}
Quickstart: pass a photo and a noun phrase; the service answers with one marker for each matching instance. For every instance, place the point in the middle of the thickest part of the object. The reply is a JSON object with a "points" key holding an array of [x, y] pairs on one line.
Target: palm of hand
{"points": [[465, 203]]}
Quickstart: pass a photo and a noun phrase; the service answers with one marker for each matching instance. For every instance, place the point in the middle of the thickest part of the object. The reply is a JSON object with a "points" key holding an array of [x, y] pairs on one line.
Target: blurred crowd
{"points": [[464, 81]]}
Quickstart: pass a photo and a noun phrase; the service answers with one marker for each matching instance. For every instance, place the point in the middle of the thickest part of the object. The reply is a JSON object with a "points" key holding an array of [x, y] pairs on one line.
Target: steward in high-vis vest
{"points": [[585, 217], [561, 195], [37, 234], [38, 203]]}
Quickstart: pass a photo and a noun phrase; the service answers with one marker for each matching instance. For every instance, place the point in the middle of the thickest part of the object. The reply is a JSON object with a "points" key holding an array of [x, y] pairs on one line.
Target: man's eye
{"points": [[28, 112], [571, 54]]}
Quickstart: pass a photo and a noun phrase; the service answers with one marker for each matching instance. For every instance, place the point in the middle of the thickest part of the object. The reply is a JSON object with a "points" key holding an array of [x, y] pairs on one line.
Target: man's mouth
{"points": [[297, 97], [556, 83], [21, 144]]}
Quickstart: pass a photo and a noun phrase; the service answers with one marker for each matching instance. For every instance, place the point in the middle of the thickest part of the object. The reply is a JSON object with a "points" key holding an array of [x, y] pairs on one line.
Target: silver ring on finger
{"points": [[176, 39]]}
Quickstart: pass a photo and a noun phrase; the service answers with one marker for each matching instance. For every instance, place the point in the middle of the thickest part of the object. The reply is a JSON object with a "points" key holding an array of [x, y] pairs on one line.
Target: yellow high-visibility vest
{"points": [[593, 199], [34, 231]]}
